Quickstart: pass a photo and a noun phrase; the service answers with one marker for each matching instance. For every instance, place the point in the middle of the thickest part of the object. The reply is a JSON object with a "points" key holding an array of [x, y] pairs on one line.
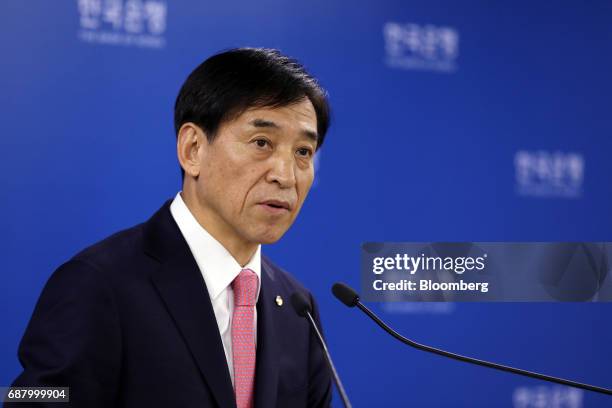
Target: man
{"points": [[183, 310]]}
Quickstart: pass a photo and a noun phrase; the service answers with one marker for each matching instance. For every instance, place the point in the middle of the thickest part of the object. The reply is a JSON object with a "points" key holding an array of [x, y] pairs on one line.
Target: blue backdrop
{"points": [[463, 121]]}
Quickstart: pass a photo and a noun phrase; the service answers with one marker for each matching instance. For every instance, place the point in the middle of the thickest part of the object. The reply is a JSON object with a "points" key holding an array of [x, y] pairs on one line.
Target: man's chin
{"points": [[270, 239], [270, 236]]}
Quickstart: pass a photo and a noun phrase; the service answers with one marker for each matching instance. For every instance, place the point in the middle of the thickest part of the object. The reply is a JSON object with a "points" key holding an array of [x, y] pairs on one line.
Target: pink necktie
{"points": [[243, 336]]}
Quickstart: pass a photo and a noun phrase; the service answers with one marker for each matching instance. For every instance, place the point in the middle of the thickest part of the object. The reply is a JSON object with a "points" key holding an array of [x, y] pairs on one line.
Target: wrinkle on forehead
{"points": [[302, 112]]}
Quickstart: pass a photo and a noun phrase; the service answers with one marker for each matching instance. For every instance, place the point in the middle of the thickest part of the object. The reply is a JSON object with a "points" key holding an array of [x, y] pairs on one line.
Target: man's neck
{"points": [[242, 251]]}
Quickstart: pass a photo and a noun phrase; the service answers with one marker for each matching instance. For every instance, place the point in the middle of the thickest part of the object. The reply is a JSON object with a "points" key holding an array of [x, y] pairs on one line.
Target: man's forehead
{"points": [[300, 115], [302, 110]]}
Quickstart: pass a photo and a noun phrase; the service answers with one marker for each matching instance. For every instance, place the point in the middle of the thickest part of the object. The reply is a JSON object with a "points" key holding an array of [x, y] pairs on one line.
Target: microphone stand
{"points": [[484, 363], [343, 395]]}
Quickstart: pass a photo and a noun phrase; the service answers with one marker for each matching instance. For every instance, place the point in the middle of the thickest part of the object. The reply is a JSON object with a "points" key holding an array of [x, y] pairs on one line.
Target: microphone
{"points": [[302, 308], [350, 298], [345, 294]]}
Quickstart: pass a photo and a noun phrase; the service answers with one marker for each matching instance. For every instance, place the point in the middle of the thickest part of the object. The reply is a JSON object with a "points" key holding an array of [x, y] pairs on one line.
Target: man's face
{"points": [[257, 172]]}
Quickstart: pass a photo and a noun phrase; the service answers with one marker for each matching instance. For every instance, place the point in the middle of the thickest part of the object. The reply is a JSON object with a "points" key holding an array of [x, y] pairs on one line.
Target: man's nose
{"points": [[282, 171]]}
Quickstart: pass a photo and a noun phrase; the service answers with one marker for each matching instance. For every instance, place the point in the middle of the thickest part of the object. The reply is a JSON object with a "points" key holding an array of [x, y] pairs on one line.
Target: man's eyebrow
{"points": [[311, 135], [264, 123]]}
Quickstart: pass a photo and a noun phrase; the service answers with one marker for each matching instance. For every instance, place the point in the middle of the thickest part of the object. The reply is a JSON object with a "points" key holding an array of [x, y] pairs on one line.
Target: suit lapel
{"points": [[266, 380], [181, 286]]}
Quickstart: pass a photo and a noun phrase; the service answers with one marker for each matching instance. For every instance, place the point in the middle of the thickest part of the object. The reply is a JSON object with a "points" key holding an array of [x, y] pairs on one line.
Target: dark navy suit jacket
{"points": [[128, 323]]}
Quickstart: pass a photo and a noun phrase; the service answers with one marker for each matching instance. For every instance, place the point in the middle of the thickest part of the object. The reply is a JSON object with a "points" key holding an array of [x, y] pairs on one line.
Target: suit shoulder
{"points": [[284, 277], [116, 248]]}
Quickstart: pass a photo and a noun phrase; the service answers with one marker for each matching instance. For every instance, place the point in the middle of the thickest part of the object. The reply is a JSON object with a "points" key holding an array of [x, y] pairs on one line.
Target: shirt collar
{"points": [[217, 265]]}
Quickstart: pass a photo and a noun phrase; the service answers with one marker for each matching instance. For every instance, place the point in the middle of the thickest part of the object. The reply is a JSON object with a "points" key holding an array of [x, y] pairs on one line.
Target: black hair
{"points": [[226, 84]]}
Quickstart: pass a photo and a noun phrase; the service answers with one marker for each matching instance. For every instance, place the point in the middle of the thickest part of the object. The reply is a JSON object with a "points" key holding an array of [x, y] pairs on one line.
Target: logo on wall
{"points": [[419, 308], [136, 23], [549, 174], [421, 47], [547, 396]]}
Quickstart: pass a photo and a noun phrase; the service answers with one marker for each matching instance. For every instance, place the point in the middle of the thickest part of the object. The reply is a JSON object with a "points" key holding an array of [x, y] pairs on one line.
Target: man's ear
{"points": [[189, 141]]}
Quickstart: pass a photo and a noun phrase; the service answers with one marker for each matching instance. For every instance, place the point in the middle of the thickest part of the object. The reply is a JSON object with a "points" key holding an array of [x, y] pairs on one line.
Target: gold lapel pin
{"points": [[279, 301]]}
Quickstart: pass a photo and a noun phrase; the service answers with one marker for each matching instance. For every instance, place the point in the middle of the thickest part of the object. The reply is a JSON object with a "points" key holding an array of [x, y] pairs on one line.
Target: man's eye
{"points": [[304, 152], [262, 143]]}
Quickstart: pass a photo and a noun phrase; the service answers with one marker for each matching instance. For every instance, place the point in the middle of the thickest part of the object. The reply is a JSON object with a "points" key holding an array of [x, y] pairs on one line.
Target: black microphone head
{"points": [[300, 304], [345, 294]]}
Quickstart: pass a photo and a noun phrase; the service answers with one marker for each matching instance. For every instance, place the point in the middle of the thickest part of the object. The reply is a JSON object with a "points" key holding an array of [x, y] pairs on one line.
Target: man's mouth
{"points": [[276, 206]]}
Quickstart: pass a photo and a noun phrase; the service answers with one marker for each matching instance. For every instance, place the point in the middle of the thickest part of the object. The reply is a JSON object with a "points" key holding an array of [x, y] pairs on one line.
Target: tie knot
{"points": [[245, 288]]}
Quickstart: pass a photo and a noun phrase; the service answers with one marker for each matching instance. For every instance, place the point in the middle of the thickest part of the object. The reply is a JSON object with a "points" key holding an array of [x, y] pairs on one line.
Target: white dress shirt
{"points": [[219, 269]]}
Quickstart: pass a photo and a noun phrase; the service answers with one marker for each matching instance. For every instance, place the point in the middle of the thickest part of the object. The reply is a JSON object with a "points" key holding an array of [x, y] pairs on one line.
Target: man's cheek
{"points": [[306, 183]]}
